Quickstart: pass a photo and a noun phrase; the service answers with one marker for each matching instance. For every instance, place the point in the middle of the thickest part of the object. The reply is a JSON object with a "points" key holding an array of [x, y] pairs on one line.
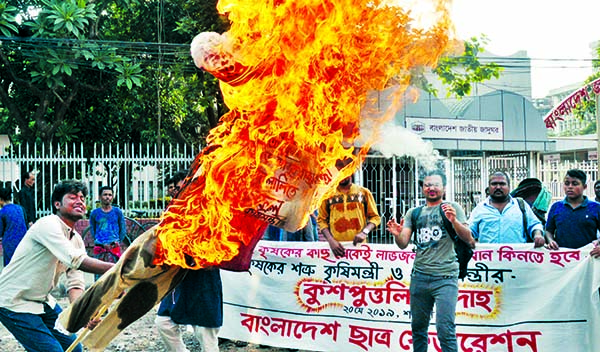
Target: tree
{"points": [[459, 73], [585, 110], [187, 101], [101, 71], [40, 83]]}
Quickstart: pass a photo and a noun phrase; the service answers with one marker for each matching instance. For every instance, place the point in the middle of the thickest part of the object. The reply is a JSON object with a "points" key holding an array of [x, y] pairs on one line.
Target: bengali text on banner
{"points": [[515, 298]]}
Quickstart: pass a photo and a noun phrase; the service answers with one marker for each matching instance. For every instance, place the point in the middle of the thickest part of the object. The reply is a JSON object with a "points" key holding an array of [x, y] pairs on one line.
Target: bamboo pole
{"points": [[86, 331]]}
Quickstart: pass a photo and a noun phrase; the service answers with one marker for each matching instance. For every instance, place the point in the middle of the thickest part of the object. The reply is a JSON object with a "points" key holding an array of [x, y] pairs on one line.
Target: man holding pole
{"points": [[50, 248]]}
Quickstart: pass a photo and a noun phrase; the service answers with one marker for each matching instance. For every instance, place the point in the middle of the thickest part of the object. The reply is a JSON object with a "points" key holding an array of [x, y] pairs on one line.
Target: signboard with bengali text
{"points": [[515, 298], [455, 129]]}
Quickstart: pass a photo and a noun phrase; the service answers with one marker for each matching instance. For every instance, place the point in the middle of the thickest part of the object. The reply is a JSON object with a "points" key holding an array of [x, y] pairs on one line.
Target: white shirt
{"points": [[46, 251]]}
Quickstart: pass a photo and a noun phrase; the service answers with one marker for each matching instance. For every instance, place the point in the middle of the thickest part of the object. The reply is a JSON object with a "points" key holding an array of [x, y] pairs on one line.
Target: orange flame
{"points": [[296, 75]]}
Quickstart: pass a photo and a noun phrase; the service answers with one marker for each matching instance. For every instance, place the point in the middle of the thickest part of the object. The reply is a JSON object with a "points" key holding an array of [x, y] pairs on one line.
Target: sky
{"points": [[556, 35]]}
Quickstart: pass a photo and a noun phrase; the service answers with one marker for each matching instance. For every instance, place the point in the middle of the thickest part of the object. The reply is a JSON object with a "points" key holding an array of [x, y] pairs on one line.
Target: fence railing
{"points": [[553, 173], [138, 173]]}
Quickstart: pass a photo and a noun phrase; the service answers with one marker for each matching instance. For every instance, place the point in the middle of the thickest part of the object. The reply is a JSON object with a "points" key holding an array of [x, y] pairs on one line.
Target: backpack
{"points": [[521, 203], [533, 186], [464, 252]]}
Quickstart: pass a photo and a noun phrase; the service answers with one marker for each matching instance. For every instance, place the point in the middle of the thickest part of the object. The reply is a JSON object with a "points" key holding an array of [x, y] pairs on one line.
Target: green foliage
{"points": [[66, 18], [67, 132], [130, 74], [7, 19], [587, 108], [69, 23], [596, 62], [459, 73], [62, 72], [590, 128], [102, 71]]}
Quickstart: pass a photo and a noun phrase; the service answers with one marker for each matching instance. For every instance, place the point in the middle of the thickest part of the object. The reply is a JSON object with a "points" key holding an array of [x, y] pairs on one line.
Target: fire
{"points": [[297, 76]]}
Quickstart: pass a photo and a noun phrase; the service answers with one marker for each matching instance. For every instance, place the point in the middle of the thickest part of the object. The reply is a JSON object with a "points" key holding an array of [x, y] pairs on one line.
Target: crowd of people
{"points": [[435, 228], [44, 249]]}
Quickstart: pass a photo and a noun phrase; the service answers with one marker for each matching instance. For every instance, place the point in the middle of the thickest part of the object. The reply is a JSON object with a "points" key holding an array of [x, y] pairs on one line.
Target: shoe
{"points": [[238, 343]]}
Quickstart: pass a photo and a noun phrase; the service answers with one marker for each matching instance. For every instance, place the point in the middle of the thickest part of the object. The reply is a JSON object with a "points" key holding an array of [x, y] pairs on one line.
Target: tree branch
{"points": [[59, 115], [84, 85], [19, 81], [13, 109]]}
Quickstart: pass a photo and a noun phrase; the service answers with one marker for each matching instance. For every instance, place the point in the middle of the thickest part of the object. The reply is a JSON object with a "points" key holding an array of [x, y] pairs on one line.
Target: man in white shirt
{"points": [[50, 248]]}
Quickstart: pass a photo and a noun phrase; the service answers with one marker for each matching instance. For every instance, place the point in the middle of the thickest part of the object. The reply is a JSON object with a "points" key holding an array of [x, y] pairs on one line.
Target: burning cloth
{"points": [[298, 77]]}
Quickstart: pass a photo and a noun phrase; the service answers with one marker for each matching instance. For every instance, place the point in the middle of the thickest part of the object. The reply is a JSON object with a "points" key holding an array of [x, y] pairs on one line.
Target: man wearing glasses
{"points": [[434, 279]]}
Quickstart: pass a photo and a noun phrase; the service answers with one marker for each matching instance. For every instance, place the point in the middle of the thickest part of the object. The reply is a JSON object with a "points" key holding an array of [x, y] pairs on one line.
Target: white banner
{"points": [[515, 298]]}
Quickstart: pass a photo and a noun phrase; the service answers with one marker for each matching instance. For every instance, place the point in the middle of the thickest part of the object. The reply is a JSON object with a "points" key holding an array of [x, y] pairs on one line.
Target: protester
{"points": [[574, 221], [350, 214], [50, 248], [434, 279], [27, 197], [196, 301], [597, 191], [305, 234], [107, 227], [533, 191], [501, 218], [12, 224], [174, 182]]}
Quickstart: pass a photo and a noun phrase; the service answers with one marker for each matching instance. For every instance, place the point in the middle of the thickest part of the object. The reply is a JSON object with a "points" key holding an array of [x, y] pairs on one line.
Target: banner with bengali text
{"points": [[515, 298], [574, 100]]}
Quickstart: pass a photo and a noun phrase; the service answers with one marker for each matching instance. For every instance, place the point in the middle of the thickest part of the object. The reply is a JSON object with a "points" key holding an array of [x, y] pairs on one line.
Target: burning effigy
{"points": [[298, 77]]}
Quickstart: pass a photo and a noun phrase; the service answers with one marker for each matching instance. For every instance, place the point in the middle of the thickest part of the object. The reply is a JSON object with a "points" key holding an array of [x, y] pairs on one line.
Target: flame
{"points": [[297, 77]]}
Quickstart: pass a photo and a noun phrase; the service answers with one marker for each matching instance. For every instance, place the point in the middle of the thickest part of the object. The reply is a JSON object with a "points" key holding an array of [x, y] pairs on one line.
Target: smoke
{"points": [[389, 138], [398, 141]]}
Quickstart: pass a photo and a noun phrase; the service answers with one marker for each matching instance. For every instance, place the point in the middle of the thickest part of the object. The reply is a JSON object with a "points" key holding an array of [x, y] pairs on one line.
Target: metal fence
{"points": [[138, 173], [393, 183], [553, 173], [469, 175]]}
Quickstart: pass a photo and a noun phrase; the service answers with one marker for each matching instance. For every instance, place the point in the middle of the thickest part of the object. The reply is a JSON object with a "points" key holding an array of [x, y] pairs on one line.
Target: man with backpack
{"points": [[504, 219], [439, 228]]}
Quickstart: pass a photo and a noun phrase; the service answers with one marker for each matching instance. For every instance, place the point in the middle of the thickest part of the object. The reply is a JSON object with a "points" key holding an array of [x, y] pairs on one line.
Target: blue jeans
{"points": [[36, 331], [425, 290]]}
